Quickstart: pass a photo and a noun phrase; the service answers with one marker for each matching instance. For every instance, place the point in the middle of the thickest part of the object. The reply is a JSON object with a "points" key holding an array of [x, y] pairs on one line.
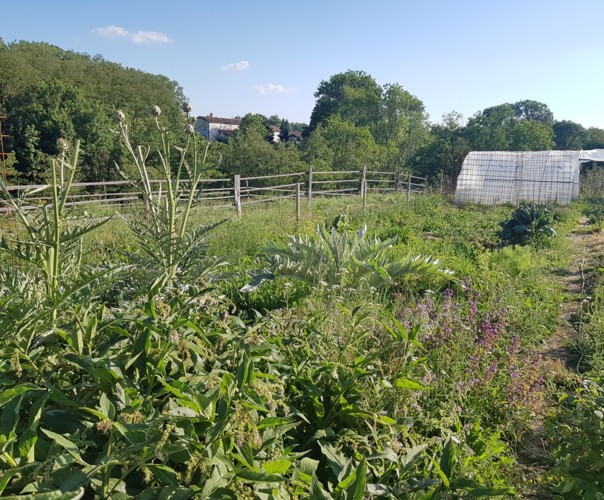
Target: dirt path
{"points": [[586, 247], [559, 357]]}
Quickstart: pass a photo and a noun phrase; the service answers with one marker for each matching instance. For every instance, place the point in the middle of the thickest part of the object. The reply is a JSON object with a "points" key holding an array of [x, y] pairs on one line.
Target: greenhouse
{"points": [[496, 177]]}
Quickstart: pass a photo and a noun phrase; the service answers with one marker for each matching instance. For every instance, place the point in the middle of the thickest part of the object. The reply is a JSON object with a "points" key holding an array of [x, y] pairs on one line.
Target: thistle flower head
{"points": [[155, 110], [189, 130], [186, 107]]}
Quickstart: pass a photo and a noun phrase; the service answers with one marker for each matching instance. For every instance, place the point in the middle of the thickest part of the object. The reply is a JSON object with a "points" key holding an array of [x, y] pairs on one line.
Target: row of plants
{"points": [[391, 353]]}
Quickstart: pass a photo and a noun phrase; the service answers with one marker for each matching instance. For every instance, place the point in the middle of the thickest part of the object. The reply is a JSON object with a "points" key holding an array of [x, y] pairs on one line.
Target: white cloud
{"points": [[238, 66], [273, 88], [139, 37], [149, 37], [110, 31]]}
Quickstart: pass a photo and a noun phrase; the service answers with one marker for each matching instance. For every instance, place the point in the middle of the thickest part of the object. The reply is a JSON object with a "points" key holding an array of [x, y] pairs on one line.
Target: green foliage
{"points": [[513, 260], [410, 393], [390, 122], [569, 135], [47, 93], [50, 248], [579, 469], [522, 126], [341, 145], [338, 259], [530, 223], [251, 153]]}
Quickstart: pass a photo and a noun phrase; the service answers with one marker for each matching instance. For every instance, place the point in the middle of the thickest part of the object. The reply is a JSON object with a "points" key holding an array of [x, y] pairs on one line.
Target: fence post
{"points": [[409, 190], [364, 191], [309, 191], [363, 181], [298, 190], [237, 192], [397, 181]]}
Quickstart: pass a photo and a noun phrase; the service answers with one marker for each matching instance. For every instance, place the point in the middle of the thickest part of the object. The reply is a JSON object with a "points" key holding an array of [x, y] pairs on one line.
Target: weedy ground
{"points": [[425, 386]]}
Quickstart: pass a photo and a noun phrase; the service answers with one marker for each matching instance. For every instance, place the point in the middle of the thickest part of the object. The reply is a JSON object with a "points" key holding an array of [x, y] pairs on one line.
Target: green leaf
{"points": [[246, 456], [259, 477], [317, 492], [447, 459], [356, 491], [50, 495], [107, 407], [7, 474], [272, 422], [138, 358], [163, 474], [309, 466], [13, 392], [338, 462], [65, 443], [407, 383], [276, 466]]}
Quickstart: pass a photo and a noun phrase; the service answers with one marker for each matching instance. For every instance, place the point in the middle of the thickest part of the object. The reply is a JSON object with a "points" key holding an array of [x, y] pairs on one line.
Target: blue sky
{"points": [[239, 56]]}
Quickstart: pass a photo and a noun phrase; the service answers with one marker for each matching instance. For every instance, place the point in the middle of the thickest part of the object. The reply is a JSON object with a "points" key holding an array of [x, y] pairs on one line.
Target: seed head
{"points": [[186, 107], [120, 117], [155, 110], [189, 130], [62, 144]]}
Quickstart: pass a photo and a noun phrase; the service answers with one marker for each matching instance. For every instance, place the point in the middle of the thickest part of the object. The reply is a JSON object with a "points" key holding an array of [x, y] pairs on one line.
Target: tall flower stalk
{"points": [[50, 249], [165, 237]]}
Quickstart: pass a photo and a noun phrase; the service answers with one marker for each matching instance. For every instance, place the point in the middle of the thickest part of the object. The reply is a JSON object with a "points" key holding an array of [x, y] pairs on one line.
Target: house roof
{"points": [[222, 121]]}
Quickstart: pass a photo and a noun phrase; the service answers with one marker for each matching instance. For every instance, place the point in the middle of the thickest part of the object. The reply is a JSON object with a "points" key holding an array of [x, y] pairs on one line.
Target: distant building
{"points": [[276, 134], [295, 136], [214, 128]]}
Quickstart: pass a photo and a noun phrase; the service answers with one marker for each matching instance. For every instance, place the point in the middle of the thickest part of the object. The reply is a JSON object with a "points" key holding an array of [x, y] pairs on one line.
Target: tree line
{"points": [[47, 93]]}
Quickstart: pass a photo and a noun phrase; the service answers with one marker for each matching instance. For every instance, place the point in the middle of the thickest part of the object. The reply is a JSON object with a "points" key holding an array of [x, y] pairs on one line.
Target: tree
{"points": [[254, 126], [569, 135], [522, 126], [533, 111], [529, 135], [249, 152], [446, 149], [284, 130], [47, 92], [395, 119], [594, 138], [401, 127], [353, 95], [338, 144]]}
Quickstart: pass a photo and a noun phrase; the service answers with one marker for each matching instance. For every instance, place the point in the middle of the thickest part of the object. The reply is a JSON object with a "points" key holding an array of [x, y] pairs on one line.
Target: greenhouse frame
{"points": [[498, 177]]}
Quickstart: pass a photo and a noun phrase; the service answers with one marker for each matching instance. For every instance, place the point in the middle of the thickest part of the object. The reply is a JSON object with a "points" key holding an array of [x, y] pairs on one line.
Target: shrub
{"points": [[529, 223], [339, 259]]}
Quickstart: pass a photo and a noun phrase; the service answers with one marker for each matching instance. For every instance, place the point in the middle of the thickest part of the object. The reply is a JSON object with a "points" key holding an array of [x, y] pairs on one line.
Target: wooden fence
{"points": [[236, 191]]}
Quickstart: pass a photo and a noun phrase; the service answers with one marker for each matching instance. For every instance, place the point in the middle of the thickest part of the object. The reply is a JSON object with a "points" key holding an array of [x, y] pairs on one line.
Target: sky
{"points": [[251, 56]]}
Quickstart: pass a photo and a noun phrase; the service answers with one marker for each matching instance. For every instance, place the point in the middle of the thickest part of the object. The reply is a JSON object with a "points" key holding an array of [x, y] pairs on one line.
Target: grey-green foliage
{"points": [[171, 248], [49, 247], [529, 223], [333, 259]]}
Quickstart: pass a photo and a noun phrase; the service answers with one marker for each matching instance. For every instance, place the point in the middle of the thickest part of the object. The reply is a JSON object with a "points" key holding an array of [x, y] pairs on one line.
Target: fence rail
{"points": [[240, 190]]}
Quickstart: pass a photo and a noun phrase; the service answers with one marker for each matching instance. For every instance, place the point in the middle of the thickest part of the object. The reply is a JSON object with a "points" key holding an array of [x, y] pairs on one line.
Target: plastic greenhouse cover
{"points": [[494, 177]]}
